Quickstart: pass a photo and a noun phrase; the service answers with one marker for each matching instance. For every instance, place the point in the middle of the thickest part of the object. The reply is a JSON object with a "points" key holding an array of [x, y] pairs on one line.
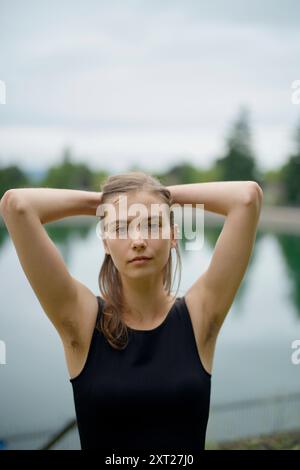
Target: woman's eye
{"points": [[120, 229], [154, 227]]}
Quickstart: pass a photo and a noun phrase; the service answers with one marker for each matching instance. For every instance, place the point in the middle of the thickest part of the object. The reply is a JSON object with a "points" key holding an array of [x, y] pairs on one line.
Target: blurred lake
{"points": [[255, 385]]}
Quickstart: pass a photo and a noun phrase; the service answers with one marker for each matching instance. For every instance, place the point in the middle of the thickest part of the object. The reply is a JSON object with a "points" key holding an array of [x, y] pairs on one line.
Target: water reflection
{"points": [[252, 361], [290, 249]]}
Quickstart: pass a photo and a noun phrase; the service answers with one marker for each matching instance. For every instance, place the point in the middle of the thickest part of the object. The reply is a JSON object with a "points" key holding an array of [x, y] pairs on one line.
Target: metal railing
{"points": [[227, 421]]}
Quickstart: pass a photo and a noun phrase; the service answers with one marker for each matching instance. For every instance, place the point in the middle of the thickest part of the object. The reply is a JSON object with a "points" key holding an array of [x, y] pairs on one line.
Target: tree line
{"points": [[281, 185]]}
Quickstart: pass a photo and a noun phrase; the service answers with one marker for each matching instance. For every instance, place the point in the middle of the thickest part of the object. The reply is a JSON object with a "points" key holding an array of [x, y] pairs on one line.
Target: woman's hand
{"points": [[51, 204]]}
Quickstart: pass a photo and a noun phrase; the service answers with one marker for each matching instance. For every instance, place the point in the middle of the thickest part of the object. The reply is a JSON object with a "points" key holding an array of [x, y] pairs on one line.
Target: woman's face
{"points": [[140, 230]]}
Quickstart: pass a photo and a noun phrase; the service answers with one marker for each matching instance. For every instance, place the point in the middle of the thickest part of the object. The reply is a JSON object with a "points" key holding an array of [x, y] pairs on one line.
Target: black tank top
{"points": [[153, 395]]}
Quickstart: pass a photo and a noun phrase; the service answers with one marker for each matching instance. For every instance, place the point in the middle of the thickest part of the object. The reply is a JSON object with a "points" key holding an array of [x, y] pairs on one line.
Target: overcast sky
{"points": [[147, 82]]}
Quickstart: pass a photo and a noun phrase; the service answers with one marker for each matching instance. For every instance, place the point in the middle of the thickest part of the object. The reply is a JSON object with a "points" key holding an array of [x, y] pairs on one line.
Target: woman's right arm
{"points": [[51, 204], [65, 300]]}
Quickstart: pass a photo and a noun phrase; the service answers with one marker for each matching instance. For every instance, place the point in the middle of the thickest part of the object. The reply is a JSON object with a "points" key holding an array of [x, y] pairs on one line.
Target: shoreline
{"points": [[287, 440], [275, 219]]}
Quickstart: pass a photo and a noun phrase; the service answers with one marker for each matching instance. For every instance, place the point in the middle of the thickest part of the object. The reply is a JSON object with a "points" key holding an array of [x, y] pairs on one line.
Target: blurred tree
{"points": [[135, 167], [183, 173], [12, 177], [273, 187], [69, 175], [239, 161], [97, 179]]}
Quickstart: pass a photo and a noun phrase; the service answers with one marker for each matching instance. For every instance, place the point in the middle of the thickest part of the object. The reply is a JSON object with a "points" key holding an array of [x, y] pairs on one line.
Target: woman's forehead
{"points": [[125, 208], [136, 197], [144, 203]]}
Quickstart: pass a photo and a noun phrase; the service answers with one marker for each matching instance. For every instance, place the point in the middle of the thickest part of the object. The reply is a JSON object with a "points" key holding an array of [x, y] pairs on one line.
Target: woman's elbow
{"points": [[11, 201], [254, 194]]}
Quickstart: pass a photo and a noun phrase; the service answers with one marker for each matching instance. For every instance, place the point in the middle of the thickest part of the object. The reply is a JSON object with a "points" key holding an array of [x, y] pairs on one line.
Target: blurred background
{"points": [[192, 91]]}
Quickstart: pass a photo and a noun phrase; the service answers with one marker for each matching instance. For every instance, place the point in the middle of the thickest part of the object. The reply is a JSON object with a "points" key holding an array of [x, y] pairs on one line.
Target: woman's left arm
{"points": [[219, 197], [240, 201]]}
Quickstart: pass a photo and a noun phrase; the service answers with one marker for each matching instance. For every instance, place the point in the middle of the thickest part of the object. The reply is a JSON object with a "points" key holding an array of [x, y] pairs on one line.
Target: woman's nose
{"points": [[138, 237]]}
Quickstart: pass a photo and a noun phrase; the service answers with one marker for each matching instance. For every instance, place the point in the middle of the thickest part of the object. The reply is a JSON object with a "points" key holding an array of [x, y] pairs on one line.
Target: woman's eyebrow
{"points": [[155, 217]]}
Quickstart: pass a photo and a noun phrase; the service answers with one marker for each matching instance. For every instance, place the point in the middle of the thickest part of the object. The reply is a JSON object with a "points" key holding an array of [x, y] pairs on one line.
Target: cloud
{"points": [[146, 68]]}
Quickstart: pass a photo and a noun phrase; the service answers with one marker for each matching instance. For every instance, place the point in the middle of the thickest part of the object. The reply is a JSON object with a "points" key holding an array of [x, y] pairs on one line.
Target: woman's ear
{"points": [[105, 246]]}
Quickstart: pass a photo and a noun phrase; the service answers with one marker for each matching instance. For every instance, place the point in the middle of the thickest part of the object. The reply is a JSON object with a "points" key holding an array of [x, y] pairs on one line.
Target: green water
{"points": [[252, 359]]}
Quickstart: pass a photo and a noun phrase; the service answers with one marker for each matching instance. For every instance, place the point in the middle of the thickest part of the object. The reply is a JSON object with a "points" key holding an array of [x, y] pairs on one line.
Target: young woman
{"points": [[139, 358]]}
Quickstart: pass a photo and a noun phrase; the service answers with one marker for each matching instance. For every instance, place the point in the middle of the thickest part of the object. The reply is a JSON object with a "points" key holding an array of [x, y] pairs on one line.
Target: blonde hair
{"points": [[109, 280]]}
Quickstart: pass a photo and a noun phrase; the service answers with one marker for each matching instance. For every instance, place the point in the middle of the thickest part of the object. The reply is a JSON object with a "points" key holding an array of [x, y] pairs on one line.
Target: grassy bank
{"points": [[277, 441]]}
